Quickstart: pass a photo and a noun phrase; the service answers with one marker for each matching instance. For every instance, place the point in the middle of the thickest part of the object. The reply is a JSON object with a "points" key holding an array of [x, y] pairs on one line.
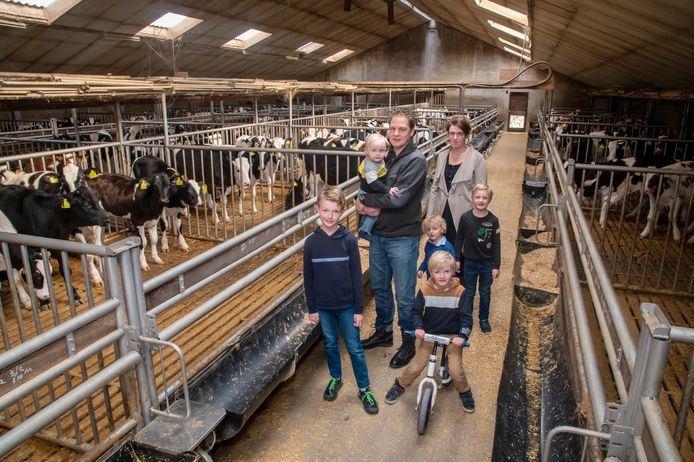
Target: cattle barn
{"points": [[160, 169]]}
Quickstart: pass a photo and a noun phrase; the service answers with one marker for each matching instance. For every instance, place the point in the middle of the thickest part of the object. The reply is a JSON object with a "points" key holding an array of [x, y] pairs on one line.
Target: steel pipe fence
{"points": [[69, 380], [637, 372]]}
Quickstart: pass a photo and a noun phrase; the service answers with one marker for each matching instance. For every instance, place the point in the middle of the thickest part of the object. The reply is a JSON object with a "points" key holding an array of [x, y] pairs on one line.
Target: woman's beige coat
{"points": [[472, 170]]}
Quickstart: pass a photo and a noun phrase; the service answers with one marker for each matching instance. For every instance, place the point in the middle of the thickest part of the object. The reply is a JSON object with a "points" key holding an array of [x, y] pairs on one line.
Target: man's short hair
{"points": [[441, 259], [403, 113]]}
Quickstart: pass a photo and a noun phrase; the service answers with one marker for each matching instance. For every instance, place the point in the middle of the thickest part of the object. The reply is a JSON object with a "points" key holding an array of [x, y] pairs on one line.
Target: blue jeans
{"points": [[474, 270], [393, 259], [331, 322], [367, 224]]}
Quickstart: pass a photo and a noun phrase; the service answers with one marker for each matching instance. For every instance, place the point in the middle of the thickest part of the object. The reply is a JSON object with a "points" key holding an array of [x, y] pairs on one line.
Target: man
{"points": [[394, 241]]}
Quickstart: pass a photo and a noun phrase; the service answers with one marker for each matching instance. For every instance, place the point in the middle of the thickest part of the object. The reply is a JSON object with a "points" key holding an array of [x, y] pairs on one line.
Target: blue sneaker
{"points": [[484, 325]]}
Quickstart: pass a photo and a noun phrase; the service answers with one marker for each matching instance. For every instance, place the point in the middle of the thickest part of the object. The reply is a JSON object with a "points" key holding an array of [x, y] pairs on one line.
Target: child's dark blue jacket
{"points": [[332, 271]]}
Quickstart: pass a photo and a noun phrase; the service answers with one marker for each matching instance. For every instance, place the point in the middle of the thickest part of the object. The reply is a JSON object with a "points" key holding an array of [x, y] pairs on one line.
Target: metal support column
{"points": [[221, 111], [75, 124], [165, 118]]}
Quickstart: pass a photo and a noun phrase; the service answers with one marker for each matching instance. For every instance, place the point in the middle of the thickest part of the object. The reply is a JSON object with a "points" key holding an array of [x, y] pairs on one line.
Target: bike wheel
{"points": [[424, 410]]}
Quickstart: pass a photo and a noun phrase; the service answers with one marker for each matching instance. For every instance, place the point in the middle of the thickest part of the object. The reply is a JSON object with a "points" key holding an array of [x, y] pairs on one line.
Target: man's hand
{"points": [[358, 318], [314, 317], [365, 210]]}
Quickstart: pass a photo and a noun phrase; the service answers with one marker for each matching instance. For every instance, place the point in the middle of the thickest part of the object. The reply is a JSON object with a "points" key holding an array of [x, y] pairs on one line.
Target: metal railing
{"points": [[636, 371]]}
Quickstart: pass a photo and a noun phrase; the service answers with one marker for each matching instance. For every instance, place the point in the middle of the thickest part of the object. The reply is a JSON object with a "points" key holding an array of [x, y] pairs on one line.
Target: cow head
{"points": [[162, 185], [38, 276], [241, 167], [83, 208]]}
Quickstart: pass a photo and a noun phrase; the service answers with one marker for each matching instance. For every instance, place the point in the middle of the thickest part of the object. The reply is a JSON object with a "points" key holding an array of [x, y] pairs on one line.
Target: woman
{"points": [[458, 169]]}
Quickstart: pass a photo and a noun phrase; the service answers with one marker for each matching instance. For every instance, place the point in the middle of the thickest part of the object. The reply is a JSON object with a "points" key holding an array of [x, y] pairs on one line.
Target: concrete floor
{"points": [[295, 424]]}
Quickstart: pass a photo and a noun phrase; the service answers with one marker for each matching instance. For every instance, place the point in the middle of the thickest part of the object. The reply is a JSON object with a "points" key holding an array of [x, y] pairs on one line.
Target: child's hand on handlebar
{"points": [[458, 341], [419, 333]]}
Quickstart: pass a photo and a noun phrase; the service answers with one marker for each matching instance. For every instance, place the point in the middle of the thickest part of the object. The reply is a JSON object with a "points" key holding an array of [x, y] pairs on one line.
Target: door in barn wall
{"points": [[517, 111]]}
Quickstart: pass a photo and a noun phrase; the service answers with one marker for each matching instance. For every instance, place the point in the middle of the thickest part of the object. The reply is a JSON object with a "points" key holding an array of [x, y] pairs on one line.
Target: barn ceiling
{"points": [[612, 43]]}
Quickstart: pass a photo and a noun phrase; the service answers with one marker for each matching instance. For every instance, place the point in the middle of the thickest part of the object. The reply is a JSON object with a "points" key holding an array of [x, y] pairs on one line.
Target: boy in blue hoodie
{"points": [[333, 286]]}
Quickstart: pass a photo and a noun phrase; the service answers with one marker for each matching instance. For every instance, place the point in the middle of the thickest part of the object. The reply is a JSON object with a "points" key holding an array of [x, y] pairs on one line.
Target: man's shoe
{"points": [[369, 402], [394, 393], [334, 385], [380, 337], [404, 354], [484, 325], [468, 401]]}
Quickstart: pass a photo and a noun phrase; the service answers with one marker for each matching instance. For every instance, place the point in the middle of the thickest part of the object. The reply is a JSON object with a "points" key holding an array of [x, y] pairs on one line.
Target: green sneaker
{"points": [[369, 402], [334, 385]]}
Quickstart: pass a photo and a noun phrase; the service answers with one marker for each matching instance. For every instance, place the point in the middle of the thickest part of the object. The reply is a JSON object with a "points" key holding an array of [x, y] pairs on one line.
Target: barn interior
{"points": [[590, 304]]}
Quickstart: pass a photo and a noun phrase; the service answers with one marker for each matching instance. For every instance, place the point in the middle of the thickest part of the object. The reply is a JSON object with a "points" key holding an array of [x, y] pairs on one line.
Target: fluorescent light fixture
{"points": [[338, 56], [247, 39], [169, 26], [525, 47], [508, 30], [36, 3], [508, 13], [310, 47], [514, 52], [292, 58], [15, 24]]}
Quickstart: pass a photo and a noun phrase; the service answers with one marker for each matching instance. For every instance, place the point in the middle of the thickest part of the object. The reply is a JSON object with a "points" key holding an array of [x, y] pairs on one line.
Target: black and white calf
{"points": [[670, 190], [37, 268], [50, 215], [253, 166], [140, 200], [183, 193]]}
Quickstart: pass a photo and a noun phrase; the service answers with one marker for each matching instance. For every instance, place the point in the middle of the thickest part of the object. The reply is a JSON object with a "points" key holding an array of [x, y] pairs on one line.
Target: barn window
{"points": [[517, 53], [22, 12], [169, 27], [506, 12], [338, 56], [247, 39], [525, 47], [310, 47]]}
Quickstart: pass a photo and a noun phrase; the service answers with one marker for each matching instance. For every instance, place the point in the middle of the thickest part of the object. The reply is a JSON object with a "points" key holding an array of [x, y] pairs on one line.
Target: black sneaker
{"points": [[380, 337], [484, 325], [468, 401], [334, 385], [368, 400], [394, 393]]}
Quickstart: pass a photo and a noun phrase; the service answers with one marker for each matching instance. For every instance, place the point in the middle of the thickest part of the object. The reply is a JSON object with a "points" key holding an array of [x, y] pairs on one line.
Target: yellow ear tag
{"points": [[361, 130], [49, 254], [179, 181], [333, 145], [287, 142], [92, 174], [296, 184], [637, 173], [203, 187], [65, 204], [53, 180], [143, 185]]}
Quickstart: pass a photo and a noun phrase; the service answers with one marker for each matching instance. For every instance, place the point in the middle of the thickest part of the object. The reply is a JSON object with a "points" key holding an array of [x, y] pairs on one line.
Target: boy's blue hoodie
{"points": [[332, 271]]}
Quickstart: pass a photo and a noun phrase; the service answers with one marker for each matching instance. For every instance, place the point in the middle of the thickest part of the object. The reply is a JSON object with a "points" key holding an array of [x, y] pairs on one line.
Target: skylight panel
{"points": [[18, 13], [338, 56], [310, 47], [514, 52], [247, 39], [168, 21], [169, 26], [508, 30], [506, 12], [526, 46], [36, 3]]}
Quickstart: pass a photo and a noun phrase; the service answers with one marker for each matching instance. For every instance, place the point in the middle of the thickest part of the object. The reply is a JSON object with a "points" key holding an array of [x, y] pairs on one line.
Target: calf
{"points": [[183, 193], [260, 165], [37, 268], [47, 181], [54, 216], [140, 200], [320, 169], [670, 190]]}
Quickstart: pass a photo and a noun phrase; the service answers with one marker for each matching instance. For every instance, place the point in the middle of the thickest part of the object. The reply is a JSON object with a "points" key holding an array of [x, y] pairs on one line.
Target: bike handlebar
{"points": [[437, 338]]}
